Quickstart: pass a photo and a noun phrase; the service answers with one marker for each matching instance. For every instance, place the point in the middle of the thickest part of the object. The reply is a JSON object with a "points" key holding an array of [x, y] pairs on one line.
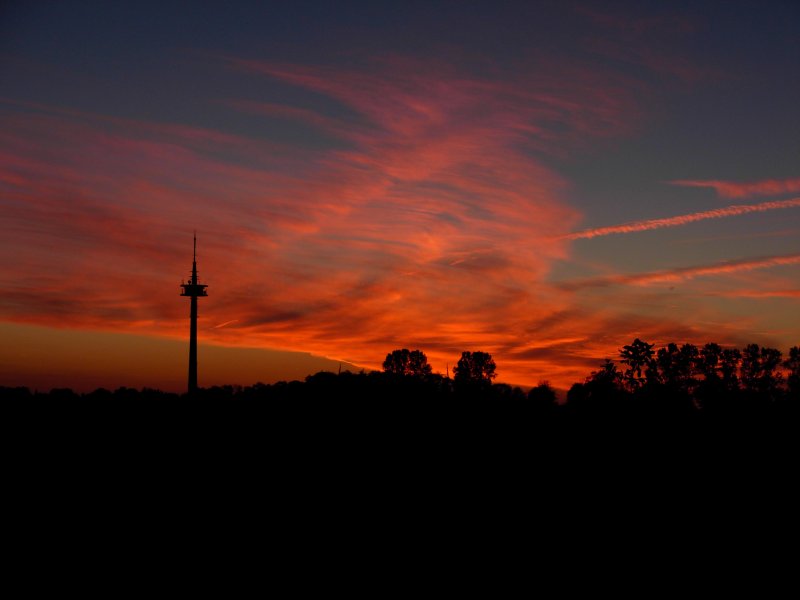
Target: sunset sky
{"points": [[544, 181]]}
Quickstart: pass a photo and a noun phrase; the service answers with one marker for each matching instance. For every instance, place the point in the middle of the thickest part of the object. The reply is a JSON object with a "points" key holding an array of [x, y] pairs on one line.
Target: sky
{"points": [[544, 181]]}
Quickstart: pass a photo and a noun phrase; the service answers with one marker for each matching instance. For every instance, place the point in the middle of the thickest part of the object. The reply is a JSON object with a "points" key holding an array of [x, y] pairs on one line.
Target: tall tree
{"points": [[677, 366], [708, 362], [711, 392], [759, 370], [639, 358], [475, 367], [730, 359]]}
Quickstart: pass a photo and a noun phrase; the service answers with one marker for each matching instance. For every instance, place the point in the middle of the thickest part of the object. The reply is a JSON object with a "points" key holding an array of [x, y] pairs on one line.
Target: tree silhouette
{"points": [[729, 366], [475, 367], [710, 390], [708, 361], [677, 367], [792, 365], [608, 375], [638, 356], [758, 370], [407, 363]]}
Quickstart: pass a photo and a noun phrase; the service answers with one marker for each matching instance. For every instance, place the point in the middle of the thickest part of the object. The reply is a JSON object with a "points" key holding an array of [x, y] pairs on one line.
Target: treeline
{"points": [[673, 381], [687, 379]]}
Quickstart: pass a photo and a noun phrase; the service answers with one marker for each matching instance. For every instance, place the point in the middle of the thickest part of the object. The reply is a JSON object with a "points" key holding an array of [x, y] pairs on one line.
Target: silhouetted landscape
{"points": [[474, 202], [683, 383]]}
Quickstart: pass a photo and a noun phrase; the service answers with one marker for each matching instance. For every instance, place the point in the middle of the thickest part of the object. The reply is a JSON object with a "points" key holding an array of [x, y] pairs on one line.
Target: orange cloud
{"points": [[732, 189], [717, 213]]}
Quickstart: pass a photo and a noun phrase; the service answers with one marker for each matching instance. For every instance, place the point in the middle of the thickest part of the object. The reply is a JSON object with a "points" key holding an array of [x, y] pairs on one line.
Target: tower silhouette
{"points": [[193, 290]]}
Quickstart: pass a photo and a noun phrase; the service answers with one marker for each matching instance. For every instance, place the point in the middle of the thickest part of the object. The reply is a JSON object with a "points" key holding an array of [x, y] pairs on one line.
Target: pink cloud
{"points": [[732, 189], [717, 213]]}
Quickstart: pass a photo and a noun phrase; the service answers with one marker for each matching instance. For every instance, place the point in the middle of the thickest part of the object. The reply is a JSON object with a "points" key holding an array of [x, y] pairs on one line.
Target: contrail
{"points": [[225, 324], [726, 267], [717, 213], [684, 273]]}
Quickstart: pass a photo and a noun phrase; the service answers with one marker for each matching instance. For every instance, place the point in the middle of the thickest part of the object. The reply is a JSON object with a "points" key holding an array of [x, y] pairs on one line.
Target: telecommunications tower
{"points": [[193, 290]]}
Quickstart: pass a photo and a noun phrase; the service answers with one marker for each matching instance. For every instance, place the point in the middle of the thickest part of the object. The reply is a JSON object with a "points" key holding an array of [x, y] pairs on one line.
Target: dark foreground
{"points": [[293, 420], [309, 473]]}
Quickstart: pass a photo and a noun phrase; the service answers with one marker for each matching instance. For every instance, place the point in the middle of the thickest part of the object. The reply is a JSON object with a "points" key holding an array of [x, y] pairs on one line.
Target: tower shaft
{"points": [[193, 348]]}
